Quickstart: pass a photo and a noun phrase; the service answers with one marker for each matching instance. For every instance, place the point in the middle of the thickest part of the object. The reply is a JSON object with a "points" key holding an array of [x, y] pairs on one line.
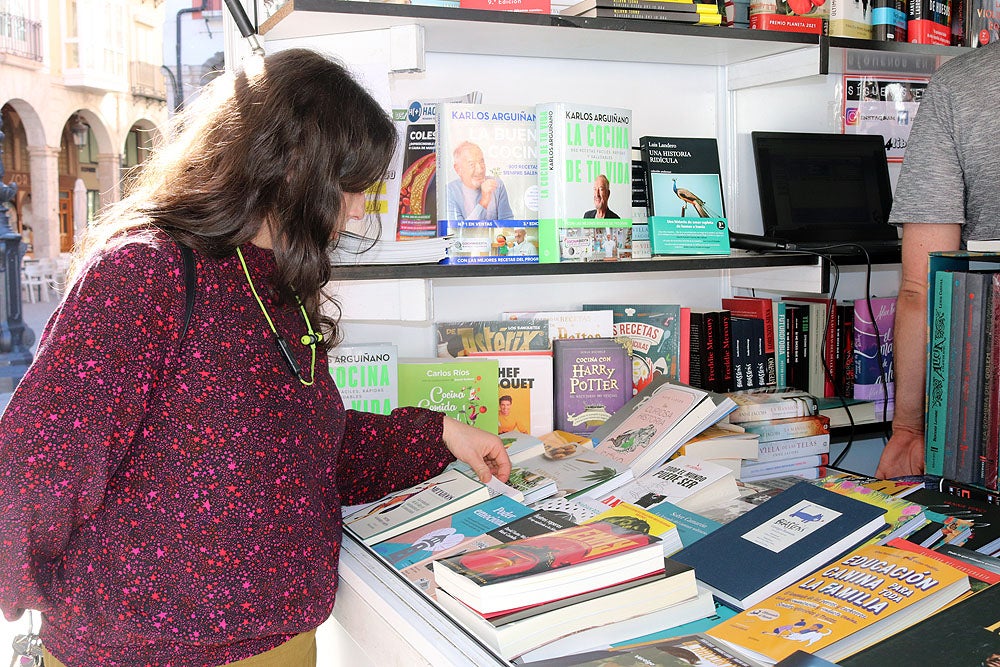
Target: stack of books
{"points": [[697, 13], [793, 438], [522, 594]]}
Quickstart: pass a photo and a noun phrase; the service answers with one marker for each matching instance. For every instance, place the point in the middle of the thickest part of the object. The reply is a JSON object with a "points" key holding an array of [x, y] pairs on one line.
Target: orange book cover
{"points": [[845, 606]]}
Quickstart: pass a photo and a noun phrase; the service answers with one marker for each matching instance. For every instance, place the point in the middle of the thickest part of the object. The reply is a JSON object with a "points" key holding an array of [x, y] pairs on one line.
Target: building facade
{"points": [[84, 98]]}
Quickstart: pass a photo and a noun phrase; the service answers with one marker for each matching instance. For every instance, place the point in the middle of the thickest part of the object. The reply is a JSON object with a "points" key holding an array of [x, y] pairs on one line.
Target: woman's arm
{"points": [[904, 453]]}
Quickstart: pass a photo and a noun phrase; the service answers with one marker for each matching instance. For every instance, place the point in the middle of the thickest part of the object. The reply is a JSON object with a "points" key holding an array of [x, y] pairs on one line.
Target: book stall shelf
{"points": [[474, 31], [738, 260]]}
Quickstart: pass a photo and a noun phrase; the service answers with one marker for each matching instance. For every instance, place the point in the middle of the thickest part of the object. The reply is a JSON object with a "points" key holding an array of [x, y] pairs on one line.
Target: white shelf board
{"points": [[465, 31]]}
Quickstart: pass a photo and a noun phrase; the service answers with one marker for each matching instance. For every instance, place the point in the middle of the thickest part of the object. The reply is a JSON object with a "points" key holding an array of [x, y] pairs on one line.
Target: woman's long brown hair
{"points": [[281, 148]]}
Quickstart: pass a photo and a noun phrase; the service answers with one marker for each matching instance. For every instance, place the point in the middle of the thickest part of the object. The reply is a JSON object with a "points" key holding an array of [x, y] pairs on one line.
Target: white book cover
{"points": [[525, 394], [422, 503], [571, 323], [367, 376], [686, 482], [793, 448]]}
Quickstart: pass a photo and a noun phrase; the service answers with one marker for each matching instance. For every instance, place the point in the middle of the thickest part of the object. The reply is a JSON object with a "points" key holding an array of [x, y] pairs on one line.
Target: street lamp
{"points": [[15, 337], [78, 126]]}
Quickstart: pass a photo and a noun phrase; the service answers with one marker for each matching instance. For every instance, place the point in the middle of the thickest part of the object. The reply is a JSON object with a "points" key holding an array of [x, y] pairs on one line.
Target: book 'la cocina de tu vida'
{"points": [[487, 183], [584, 182]]}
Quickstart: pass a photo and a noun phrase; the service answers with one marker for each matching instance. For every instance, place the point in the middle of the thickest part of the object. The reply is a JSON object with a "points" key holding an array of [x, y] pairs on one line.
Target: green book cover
{"points": [[585, 183], [937, 373], [465, 389], [366, 376]]}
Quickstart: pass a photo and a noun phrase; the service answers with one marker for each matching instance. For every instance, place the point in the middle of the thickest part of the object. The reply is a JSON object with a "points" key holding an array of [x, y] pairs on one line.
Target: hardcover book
{"points": [[592, 379], [843, 607], [706, 343], [464, 389], [785, 538], [761, 309], [480, 337], [366, 376], [850, 19], [656, 422], [584, 175], [654, 332], [488, 183], [722, 441], [449, 531], [402, 510], [928, 22], [548, 567], [525, 393], [686, 6]]}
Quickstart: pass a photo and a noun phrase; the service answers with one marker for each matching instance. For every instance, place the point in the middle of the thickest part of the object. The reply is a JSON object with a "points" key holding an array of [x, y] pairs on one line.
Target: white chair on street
{"points": [[34, 284]]}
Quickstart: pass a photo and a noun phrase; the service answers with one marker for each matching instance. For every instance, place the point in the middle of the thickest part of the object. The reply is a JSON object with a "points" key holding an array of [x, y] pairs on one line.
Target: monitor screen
{"points": [[823, 186]]}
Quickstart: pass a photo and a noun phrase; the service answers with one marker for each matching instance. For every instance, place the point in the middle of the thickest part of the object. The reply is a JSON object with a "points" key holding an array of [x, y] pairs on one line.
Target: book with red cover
{"points": [[684, 358], [548, 567]]}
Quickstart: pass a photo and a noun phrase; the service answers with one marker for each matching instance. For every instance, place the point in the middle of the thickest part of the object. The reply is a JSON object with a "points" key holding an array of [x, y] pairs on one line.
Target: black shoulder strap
{"points": [[190, 286]]}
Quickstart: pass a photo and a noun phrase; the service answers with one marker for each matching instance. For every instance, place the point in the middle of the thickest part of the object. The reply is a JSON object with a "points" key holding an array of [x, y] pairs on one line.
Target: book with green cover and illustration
{"points": [[584, 182], [487, 182], [464, 389]]}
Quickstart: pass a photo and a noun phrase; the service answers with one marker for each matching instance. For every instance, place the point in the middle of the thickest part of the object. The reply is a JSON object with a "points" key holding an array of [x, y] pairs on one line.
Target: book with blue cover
{"points": [[785, 538]]}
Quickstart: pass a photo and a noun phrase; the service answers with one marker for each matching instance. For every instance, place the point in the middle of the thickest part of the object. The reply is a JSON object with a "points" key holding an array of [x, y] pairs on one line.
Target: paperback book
{"points": [[532, 628], [874, 379], [684, 177], [688, 483], [417, 183], [525, 389], [366, 376], [577, 470], [571, 323], [843, 607], [770, 430], [400, 511], [584, 175], [656, 422], [548, 567], [538, 522], [449, 531], [464, 389], [592, 380], [488, 183]]}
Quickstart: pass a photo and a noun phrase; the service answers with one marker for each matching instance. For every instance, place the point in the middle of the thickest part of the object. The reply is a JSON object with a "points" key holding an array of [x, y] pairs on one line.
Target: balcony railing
{"points": [[146, 80], [20, 36]]}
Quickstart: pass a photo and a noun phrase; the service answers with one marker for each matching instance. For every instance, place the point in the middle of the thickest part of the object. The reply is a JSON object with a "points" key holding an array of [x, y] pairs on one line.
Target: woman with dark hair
{"points": [[170, 489]]}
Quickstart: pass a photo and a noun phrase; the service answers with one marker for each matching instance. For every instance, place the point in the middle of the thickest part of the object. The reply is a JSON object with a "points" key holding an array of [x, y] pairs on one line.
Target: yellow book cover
{"points": [[853, 602], [637, 518], [898, 512]]}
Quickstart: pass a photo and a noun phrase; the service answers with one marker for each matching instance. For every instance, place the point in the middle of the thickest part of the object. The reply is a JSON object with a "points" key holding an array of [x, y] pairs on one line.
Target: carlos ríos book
{"points": [[487, 185], [585, 182], [367, 376]]}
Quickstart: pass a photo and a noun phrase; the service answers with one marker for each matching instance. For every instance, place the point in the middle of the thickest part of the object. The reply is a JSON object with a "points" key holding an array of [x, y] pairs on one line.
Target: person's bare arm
{"points": [[904, 453]]}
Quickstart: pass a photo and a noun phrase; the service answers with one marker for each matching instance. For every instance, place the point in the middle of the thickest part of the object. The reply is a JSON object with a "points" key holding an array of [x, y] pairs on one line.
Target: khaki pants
{"points": [[299, 651]]}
